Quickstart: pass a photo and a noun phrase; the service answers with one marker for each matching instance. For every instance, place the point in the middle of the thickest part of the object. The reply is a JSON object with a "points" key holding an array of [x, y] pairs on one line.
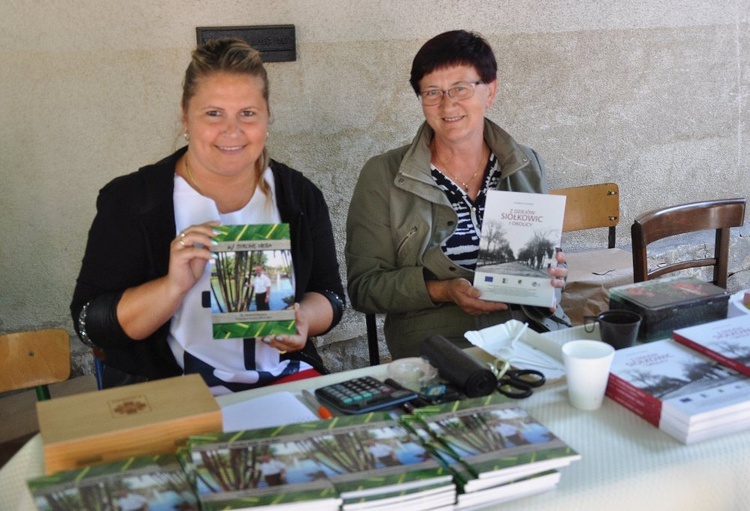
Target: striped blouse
{"points": [[463, 246]]}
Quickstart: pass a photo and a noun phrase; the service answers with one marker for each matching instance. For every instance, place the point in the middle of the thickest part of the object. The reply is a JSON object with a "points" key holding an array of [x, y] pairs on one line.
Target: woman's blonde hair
{"points": [[228, 56]]}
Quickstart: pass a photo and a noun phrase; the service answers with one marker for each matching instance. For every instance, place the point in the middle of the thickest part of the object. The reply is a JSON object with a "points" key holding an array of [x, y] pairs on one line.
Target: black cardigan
{"points": [[128, 244]]}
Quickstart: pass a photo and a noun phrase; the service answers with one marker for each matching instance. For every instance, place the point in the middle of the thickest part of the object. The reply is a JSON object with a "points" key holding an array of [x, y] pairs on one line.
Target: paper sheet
{"points": [[524, 348], [266, 411]]}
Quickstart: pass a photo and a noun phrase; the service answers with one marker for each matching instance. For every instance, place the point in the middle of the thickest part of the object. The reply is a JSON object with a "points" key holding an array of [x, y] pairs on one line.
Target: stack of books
{"points": [[496, 451], [341, 463], [727, 341], [143, 482], [461, 455], [684, 393]]}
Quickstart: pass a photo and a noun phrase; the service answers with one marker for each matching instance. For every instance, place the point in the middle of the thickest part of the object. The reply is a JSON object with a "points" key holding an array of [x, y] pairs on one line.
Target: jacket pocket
{"points": [[404, 241]]}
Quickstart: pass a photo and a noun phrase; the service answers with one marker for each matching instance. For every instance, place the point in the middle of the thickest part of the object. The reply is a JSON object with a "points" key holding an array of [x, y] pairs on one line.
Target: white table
{"points": [[627, 464]]}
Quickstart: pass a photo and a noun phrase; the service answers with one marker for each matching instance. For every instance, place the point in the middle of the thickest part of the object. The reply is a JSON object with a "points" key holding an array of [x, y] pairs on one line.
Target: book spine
{"points": [[722, 359], [648, 414], [623, 385]]}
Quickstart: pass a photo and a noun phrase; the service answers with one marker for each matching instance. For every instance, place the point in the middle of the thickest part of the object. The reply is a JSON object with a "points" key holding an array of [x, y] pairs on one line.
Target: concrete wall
{"points": [[652, 95]]}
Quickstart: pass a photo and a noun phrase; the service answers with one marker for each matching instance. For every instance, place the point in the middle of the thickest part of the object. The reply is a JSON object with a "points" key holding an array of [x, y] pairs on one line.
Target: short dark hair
{"points": [[454, 48]]}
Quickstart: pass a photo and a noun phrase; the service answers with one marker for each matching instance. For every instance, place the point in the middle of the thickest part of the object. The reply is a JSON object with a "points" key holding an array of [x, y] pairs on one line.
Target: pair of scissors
{"points": [[516, 383]]}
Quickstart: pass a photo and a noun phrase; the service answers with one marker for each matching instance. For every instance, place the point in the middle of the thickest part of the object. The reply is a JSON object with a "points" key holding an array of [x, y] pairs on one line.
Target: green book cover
{"points": [[489, 439], [263, 467], [358, 456], [151, 482], [252, 281]]}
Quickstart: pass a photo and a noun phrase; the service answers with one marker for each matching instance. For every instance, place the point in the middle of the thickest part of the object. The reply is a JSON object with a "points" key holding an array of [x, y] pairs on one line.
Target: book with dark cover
{"points": [[519, 240], [145, 482], [252, 281], [679, 390], [726, 341]]}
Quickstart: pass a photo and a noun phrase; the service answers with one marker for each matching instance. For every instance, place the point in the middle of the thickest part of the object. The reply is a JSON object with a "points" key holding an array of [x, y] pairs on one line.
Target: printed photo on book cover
{"points": [[680, 376], [151, 487], [307, 463], [520, 237], [252, 281]]}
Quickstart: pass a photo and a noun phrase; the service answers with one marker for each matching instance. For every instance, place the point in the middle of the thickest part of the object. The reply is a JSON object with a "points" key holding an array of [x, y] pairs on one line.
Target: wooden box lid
{"points": [[152, 417]]}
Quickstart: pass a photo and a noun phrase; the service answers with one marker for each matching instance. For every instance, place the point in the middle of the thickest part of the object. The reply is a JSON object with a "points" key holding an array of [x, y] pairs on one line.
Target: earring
{"points": [[186, 136]]}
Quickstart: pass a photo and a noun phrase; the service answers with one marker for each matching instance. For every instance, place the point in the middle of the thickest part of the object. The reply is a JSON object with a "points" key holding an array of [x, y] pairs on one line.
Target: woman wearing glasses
{"points": [[415, 217]]}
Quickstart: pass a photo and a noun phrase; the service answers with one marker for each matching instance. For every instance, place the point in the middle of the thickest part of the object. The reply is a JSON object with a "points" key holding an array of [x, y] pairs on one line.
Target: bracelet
{"points": [[82, 327], [337, 305]]}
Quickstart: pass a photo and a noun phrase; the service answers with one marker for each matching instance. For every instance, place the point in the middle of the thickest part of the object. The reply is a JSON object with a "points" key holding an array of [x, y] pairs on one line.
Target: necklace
{"points": [[190, 176], [456, 179]]}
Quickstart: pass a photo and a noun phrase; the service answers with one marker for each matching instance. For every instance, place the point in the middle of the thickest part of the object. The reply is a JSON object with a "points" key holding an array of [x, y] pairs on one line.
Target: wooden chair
{"points": [[719, 215], [592, 273], [34, 359], [590, 207]]}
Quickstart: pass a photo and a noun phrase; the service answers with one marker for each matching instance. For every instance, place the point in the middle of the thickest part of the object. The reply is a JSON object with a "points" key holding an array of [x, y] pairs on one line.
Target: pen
{"points": [[312, 401]]}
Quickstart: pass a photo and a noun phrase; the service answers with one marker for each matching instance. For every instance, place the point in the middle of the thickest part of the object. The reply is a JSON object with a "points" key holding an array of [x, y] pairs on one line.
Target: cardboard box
{"points": [[108, 425], [669, 303]]}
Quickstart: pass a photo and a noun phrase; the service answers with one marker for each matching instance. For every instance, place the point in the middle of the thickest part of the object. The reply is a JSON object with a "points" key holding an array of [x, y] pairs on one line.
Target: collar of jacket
{"points": [[414, 170]]}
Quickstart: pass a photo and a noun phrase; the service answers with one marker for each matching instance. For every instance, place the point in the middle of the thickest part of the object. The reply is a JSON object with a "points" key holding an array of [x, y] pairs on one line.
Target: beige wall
{"points": [[652, 95]]}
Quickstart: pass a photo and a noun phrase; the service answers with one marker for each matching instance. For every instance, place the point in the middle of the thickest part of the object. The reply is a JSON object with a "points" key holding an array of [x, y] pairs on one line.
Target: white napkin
{"points": [[505, 341], [498, 340]]}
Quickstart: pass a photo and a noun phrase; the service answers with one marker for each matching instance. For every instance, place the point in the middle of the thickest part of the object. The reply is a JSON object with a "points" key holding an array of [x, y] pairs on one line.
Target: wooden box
{"points": [[98, 427]]}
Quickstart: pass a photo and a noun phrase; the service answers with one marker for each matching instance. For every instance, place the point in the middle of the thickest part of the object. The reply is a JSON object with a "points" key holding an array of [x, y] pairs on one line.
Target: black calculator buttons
{"points": [[361, 395]]}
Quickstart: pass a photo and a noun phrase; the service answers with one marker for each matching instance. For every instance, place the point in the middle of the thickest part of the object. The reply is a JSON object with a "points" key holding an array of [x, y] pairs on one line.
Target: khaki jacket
{"points": [[397, 221]]}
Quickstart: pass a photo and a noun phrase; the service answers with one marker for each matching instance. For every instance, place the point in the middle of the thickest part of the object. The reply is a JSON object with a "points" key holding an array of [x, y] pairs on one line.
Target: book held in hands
{"points": [[520, 238], [252, 281]]}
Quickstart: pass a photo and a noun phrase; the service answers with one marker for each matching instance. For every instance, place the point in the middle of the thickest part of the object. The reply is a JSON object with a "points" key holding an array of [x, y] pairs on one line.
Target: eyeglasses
{"points": [[460, 92]]}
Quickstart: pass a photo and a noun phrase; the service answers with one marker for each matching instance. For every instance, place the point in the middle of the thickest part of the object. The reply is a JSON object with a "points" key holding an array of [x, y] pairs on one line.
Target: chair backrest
{"points": [[590, 207], [34, 359], [719, 215]]}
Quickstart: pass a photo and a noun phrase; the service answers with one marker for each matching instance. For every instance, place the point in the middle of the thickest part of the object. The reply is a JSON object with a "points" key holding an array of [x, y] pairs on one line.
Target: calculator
{"points": [[362, 395]]}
